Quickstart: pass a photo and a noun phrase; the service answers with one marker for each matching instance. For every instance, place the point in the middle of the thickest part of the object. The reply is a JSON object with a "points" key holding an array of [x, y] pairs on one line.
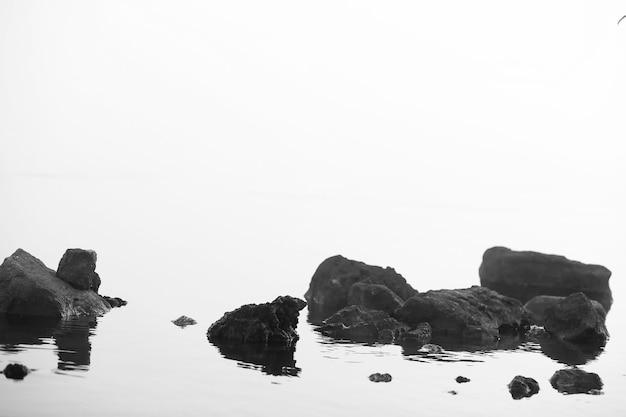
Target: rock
{"points": [[538, 305], [421, 335], [432, 348], [29, 288], [184, 321], [16, 371], [524, 275], [575, 319], [462, 379], [333, 280], [474, 315], [268, 323], [522, 387], [375, 297], [380, 377], [360, 324], [77, 268], [115, 301], [575, 381]]}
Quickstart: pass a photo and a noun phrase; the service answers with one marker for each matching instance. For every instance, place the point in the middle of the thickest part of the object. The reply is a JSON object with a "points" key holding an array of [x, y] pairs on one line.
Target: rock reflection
{"points": [[70, 336], [569, 353], [272, 360]]}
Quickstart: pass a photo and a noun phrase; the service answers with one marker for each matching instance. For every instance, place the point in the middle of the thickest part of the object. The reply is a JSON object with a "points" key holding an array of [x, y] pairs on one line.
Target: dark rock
{"points": [[269, 323], [29, 288], [575, 319], [537, 307], [473, 315], [359, 324], [575, 381], [375, 297], [522, 387], [184, 321], [333, 280], [421, 335], [380, 377], [431, 348], [16, 371], [115, 301], [568, 353], [524, 275], [77, 268], [277, 360], [462, 379]]}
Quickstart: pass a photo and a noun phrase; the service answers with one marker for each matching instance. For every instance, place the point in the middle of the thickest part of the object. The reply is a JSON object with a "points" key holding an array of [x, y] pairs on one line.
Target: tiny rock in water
{"points": [[431, 348], [184, 321], [16, 371], [462, 379], [377, 377]]}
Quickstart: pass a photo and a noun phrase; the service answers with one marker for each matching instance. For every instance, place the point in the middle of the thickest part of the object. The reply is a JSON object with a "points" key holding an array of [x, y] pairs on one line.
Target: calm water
{"points": [[187, 247]]}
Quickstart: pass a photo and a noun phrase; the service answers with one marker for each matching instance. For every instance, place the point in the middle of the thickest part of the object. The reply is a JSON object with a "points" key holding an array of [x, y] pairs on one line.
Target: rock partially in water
{"points": [[184, 321], [377, 377], [462, 379], [576, 381], [115, 302], [420, 336], [78, 268], [29, 288], [523, 387], [475, 315], [268, 323], [16, 371], [332, 284], [537, 307], [575, 319], [524, 275], [360, 324]]}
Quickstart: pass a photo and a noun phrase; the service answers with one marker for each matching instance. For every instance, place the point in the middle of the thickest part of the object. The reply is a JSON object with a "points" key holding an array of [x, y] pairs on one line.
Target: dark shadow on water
{"points": [[569, 353], [70, 336], [272, 360]]}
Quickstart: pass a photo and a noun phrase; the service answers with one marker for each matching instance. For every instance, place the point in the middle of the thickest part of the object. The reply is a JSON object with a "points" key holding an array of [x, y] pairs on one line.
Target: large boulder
{"points": [[537, 307], [331, 289], [264, 324], [360, 324], [475, 315], [29, 288], [77, 268], [575, 381], [575, 319], [525, 274]]}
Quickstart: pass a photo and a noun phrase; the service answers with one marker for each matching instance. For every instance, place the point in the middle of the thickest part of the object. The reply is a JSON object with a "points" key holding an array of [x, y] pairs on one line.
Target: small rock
{"points": [[377, 377], [462, 379], [184, 321], [77, 268], [16, 371], [453, 392], [575, 381], [421, 335], [115, 301], [521, 387], [431, 348]]}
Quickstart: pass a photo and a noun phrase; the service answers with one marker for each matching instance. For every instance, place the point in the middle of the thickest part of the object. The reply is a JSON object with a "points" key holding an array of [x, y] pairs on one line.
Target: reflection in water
{"points": [[569, 353], [272, 360], [70, 336]]}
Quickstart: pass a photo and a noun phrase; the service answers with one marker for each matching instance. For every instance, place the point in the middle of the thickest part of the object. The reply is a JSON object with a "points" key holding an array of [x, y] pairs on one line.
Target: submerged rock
{"points": [[522, 387], [377, 377], [16, 371], [29, 288], [576, 381], [473, 315], [184, 321], [524, 275], [77, 268], [537, 307], [269, 323], [575, 319], [360, 324], [331, 289]]}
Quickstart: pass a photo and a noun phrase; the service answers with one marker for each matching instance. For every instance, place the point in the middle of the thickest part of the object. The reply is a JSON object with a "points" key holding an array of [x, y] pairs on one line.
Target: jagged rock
{"points": [[333, 280], [421, 335], [377, 377], [77, 268], [29, 288], [360, 324], [522, 387], [473, 315], [575, 319], [268, 323], [524, 275], [462, 379], [184, 321], [115, 301], [375, 297], [576, 381], [537, 307], [16, 371], [432, 348]]}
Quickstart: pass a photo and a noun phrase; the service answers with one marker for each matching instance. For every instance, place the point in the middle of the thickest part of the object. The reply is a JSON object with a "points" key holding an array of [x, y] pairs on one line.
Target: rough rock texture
{"points": [[378, 377], [537, 307], [269, 323], [184, 321], [333, 280], [421, 335], [524, 275], [375, 297], [360, 324], [472, 315], [521, 387], [575, 319], [16, 371], [115, 301], [575, 381], [77, 268], [29, 288]]}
